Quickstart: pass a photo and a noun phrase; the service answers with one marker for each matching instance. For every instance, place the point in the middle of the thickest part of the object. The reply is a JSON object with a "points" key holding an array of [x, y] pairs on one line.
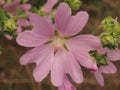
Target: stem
{"points": [[31, 78], [39, 86], [94, 32]]}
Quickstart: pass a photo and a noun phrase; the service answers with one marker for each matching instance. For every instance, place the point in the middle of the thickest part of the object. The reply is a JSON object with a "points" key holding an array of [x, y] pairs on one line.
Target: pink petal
{"points": [[8, 37], [30, 39], [76, 23], [69, 25], [72, 67], [41, 25], [113, 55], [48, 19], [12, 7], [25, 7], [49, 5], [80, 47], [66, 85], [99, 77], [19, 30], [23, 22], [85, 60], [83, 57], [35, 55], [42, 69], [57, 71], [109, 69], [88, 42], [63, 15]]}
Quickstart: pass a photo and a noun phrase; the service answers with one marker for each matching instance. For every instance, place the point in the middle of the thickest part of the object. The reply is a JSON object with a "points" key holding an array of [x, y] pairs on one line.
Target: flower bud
{"points": [[117, 29], [108, 24], [10, 25], [74, 4], [110, 41]]}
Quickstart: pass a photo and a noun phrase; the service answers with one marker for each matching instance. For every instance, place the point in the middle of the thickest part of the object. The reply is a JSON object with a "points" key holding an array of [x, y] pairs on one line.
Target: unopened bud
{"points": [[10, 25], [117, 29], [108, 24], [110, 41], [74, 4]]}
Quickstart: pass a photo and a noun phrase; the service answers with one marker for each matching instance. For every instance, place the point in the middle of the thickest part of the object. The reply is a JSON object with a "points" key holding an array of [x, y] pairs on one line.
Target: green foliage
{"points": [[2, 16]]}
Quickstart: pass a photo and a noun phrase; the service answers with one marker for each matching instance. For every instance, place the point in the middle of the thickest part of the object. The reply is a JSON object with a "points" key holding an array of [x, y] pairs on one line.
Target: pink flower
{"points": [[14, 6], [57, 49], [66, 85], [49, 5], [112, 55]]}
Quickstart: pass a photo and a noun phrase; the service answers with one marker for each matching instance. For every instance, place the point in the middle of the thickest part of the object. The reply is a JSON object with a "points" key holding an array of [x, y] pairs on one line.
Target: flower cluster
{"points": [[58, 46]]}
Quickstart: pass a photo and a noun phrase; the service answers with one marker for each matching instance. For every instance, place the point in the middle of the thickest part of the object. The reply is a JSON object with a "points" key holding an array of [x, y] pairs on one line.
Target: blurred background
{"points": [[14, 76]]}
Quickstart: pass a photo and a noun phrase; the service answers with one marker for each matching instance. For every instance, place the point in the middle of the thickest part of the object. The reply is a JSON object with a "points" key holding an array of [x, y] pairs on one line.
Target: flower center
{"points": [[58, 42]]}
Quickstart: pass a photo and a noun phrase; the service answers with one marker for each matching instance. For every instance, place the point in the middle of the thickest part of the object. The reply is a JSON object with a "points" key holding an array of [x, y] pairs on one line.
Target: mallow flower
{"points": [[57, 48], [105, 64]]}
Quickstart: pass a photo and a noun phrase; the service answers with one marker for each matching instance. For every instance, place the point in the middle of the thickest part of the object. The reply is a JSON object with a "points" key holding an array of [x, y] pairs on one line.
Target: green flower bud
{"points": [[100, 59], [108, 24], [74, 4], [110, 41], [117, 29], [10, 25]]}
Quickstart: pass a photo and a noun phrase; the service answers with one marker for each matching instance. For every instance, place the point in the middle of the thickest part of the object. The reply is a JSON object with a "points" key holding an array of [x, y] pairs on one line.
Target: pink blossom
{"points": [[112, 55], [14, 6], [66, 85], [56, 48]]}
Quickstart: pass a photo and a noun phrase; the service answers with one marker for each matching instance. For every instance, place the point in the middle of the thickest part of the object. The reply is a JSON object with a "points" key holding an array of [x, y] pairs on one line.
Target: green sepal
{"points": [[100, 59]]}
